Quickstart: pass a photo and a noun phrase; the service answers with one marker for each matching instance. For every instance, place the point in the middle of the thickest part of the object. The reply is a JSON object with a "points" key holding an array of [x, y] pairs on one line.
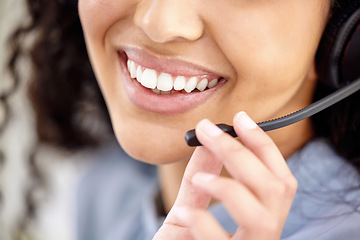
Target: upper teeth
{"points": [[165, 82]]}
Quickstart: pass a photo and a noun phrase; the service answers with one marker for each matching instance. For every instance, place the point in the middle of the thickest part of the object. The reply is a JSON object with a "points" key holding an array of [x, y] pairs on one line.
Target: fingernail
{"points": [[203, 177], [208, 128], [245, 121]]}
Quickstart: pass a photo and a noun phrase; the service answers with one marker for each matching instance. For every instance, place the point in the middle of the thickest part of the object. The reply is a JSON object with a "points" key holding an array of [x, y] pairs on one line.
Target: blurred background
{"points": [[56, 212]]}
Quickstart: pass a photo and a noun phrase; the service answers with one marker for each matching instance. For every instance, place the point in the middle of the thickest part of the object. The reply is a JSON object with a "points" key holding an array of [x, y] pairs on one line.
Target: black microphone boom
{"points": [[292, 118]]}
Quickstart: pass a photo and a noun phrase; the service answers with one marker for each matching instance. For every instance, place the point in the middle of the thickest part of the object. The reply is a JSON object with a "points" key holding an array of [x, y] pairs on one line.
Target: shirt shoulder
{"points": [[110, 193], [326, 205]]}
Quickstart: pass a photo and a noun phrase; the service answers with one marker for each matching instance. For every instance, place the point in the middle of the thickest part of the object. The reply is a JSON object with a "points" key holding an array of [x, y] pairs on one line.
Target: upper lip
{"points": [[171, 65]]}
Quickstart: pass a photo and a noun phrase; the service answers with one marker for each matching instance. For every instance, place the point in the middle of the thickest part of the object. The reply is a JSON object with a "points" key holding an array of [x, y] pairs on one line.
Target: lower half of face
{"points": [[165, 65]]}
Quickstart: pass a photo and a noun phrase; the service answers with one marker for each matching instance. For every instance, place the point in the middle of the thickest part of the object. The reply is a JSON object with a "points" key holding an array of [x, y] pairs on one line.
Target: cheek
{"points": [[271, 57], [262, 42], [97, 17], [97, 14], [267, 51], [92, 17]]}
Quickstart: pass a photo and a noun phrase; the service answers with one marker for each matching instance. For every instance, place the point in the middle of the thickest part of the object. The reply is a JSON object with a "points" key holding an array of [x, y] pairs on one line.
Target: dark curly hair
{"points": [[61, 88], [64, 92]]}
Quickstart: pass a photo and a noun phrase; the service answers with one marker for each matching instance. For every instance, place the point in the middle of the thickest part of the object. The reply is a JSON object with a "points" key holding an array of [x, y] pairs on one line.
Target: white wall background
{"points": [[57, 215]]}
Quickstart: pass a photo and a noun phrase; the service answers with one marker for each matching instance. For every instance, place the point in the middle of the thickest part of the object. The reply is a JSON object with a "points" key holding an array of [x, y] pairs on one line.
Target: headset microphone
{"points": [[306, 112], [338, 65]]}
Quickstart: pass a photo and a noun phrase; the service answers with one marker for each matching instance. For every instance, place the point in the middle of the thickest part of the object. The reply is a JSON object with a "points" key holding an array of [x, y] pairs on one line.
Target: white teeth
{"points": [[191, 84], [179, 83], [212, 83], [202, 85], [149, 78], [138, 74], [132, 69], [164, 82]]}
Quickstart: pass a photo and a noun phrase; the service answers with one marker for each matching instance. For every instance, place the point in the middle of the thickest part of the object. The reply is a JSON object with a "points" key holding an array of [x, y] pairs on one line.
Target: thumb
{"points": [[202, 160]]}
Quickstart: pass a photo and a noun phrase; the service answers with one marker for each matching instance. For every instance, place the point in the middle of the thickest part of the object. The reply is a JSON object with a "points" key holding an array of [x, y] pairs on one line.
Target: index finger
{"points": [[258, 142], [202, 160]]}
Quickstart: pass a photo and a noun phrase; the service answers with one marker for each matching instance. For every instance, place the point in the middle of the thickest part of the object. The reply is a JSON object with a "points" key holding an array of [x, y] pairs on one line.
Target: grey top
{"points": [[116, 198]]}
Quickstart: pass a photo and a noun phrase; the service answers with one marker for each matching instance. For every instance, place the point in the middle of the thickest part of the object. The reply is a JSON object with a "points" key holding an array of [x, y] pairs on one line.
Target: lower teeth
{"points": [[159, 92]]}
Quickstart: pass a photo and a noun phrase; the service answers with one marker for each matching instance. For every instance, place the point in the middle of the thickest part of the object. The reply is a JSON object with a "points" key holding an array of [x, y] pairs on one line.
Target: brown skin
{"points": [[265, 50], [268, 63]]}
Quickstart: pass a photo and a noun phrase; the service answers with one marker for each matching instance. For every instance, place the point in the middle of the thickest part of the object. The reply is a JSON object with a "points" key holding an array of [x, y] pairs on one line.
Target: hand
{"points": [[258, 196]]}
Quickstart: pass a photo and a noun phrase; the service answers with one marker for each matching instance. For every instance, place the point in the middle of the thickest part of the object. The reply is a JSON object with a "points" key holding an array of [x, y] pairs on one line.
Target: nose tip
{"points": [[168, 20]]}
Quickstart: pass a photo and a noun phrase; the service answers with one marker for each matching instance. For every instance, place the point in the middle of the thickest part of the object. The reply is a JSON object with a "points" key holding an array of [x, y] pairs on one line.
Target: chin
{"points": [[159, 150]]}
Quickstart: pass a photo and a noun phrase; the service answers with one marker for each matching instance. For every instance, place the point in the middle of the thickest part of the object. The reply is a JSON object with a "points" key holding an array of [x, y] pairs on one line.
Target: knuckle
{"points": [[277, 188], [291, 185], [283, 189]]}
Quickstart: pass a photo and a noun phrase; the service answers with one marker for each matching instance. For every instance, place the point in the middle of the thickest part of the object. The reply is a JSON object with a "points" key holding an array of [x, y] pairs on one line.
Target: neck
{"points": [[170, 175]]}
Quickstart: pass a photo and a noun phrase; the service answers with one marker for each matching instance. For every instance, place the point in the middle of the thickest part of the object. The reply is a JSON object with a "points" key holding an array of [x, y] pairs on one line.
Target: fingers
{"points": [[257, 163], [173, 232], [255, 220], [202, 160], [189, 196], [239, 161], [201, 223], [245, 207], [258, 197], [259, 143]]}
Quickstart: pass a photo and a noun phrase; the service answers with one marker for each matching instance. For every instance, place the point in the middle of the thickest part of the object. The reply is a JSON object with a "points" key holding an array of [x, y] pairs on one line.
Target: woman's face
{"points": [[256, 56]]}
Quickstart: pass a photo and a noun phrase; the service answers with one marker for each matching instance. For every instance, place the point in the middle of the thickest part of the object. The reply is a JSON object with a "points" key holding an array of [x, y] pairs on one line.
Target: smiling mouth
{"points": [[165, 83]]}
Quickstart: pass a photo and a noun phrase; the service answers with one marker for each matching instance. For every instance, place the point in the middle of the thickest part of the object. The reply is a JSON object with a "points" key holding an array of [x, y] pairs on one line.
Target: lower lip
{"points": [[169, 104]]}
